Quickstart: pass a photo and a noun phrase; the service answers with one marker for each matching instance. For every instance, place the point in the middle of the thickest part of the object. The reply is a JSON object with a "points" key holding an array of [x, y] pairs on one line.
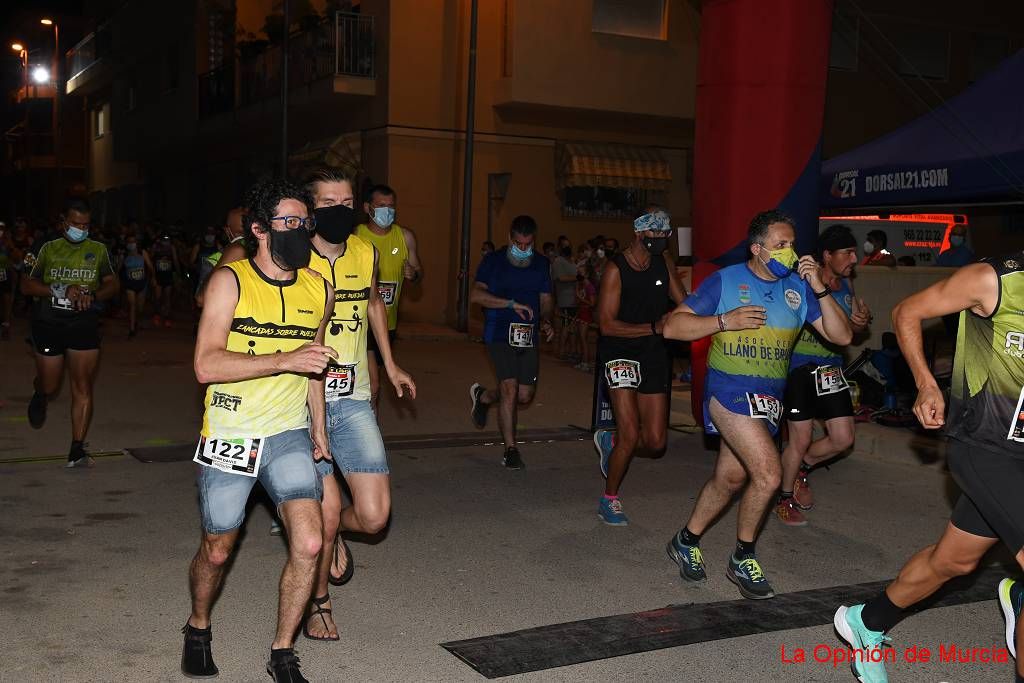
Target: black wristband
{"points": [[823, 293], [654, 330]]}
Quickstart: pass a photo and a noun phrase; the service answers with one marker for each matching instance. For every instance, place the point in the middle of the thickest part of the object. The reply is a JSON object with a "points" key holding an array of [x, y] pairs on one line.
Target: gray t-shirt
{"points": [[565, 292]]}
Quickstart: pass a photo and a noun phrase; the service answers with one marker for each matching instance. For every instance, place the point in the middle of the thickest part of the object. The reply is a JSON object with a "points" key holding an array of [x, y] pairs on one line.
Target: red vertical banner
{"points": [[761, 80]]}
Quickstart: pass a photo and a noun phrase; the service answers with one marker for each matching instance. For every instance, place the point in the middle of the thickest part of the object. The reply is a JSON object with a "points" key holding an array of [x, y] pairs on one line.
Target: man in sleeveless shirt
{"points": [[985, 452], [513, 284], [261, 349], [349, 263], [398, 261], [816, 388], [754, 310], [637, 292]]}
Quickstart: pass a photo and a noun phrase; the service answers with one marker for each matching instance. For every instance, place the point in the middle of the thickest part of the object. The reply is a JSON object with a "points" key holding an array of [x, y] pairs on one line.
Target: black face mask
{"points": [[335, 223], [290, 249], [655, 245]]}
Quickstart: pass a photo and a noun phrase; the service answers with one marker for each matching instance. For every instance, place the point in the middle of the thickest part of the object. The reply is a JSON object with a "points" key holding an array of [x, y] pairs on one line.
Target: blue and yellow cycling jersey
{"points": [[747, 369], [811, 347]]}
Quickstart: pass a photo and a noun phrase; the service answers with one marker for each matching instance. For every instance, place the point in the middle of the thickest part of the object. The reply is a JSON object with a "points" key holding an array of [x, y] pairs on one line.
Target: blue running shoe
{"points": [[1011, 597], [689, 559], [610, 512], [604, 442], [748, 576], [859, 637]]}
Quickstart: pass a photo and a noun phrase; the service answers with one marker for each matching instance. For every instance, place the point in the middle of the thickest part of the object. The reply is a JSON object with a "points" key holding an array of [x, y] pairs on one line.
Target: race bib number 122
{"points": [[235, 456]]}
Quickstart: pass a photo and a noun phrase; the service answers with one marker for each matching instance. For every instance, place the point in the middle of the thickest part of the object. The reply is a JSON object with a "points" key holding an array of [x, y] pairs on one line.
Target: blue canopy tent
{"points": [[969, 150]]}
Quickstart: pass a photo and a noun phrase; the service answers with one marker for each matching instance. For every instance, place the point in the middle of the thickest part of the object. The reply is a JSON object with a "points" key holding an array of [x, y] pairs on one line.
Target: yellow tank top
{"points": [[351, 275], [394, 252], [270, 317]]}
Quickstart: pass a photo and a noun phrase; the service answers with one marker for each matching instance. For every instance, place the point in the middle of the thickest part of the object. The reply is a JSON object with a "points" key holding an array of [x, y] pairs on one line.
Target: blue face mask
{"points": [[76, 235], [384, 216], [519, 254], [956, 241]]}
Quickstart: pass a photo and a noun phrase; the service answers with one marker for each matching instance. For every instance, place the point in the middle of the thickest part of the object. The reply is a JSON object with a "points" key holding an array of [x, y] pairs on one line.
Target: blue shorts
{"points": [[286, 473], [355, 440], [751, 403]]}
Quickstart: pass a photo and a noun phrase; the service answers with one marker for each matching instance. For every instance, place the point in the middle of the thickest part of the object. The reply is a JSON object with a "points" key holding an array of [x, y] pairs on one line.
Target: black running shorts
{"points": [[990, 503], [53, 339], [805, 400], [371, 345], [520, 364], [646, 356]]}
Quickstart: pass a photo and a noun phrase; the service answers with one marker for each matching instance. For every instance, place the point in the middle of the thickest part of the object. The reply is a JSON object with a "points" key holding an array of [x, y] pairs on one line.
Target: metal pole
{"points": [[56, 115], [284, 91], [467, 178]]}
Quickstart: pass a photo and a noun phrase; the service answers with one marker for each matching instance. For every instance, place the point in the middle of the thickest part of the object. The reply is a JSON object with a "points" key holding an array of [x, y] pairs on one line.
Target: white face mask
{"points": [[869, 247], [600, 253]]}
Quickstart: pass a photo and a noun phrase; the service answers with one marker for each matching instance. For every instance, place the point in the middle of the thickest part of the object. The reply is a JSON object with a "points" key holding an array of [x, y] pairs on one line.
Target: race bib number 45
{"points": [[622, 374], [829, 380], [340, 382], [235, 456], [386, 290], [520, 335], [765, 407]]}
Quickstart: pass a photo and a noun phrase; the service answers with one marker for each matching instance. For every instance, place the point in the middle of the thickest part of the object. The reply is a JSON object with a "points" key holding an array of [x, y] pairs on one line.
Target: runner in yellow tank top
{"points": [[398, 262], [260, 347], [350, 264]]}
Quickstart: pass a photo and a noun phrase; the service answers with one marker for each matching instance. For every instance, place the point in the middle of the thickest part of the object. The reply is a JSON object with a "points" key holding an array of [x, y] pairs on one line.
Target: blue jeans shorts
{"points": [[286, 473], [355, 441]]}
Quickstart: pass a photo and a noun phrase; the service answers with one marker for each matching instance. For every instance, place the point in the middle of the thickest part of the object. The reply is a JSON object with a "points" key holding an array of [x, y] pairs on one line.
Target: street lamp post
{"points": [[57, 87], [27, 160]]}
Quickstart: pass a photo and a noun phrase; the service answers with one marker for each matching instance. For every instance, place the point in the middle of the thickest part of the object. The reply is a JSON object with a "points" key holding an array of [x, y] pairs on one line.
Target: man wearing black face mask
{"points": [[261, 349], [349, 263], [633, 303]]}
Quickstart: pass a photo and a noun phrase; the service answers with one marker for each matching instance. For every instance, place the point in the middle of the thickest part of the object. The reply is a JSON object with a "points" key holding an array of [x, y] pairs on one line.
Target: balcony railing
{"points": [[90, 50], [344, 47]]}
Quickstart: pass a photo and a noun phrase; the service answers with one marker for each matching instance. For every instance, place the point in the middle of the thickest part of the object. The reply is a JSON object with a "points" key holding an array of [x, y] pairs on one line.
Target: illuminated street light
{"points": [[40, 74], [46, 22], [17, 47]]}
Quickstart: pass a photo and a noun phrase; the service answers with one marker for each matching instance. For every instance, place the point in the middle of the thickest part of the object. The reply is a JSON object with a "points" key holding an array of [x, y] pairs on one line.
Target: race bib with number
{"points": [[829, 379], [1017, 421], [622, 374], [387, 290], [340, 382], [164, 265], [3, 274], [136, 274], [61, 303], [234, 456], [520, 335], [765, 407]]}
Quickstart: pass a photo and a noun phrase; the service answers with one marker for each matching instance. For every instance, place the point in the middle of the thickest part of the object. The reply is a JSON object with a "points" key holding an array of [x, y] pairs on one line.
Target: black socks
{"points": [[687, 537], [880, 614], [744, 549]]}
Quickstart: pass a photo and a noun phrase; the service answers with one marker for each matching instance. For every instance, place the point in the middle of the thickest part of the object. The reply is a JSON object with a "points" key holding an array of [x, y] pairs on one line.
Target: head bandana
{"points": [[658, 221]]}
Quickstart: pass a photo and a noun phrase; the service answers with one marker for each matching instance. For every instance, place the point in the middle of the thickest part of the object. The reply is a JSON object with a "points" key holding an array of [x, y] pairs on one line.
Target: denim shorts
{"points": [[355, 441], [286, 473]]}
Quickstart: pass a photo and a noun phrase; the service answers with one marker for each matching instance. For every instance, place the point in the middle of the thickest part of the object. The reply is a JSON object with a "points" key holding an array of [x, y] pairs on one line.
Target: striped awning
{"points": [[604, 165]]}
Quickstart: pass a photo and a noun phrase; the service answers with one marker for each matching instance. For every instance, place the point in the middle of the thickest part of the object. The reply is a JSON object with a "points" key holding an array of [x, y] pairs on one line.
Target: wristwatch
{"points": [[823, 293]]}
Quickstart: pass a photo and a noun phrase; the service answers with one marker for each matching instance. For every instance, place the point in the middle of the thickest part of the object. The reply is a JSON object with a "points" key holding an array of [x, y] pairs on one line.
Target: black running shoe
{"points": [[196, 654], [37, 410], [479, 409], [285, 667], [78, 456], [512, 459], [748, 576]]}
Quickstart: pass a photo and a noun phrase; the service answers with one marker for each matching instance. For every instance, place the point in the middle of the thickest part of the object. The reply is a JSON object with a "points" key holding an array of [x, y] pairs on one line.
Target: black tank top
{"points": [[644, 297]]}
